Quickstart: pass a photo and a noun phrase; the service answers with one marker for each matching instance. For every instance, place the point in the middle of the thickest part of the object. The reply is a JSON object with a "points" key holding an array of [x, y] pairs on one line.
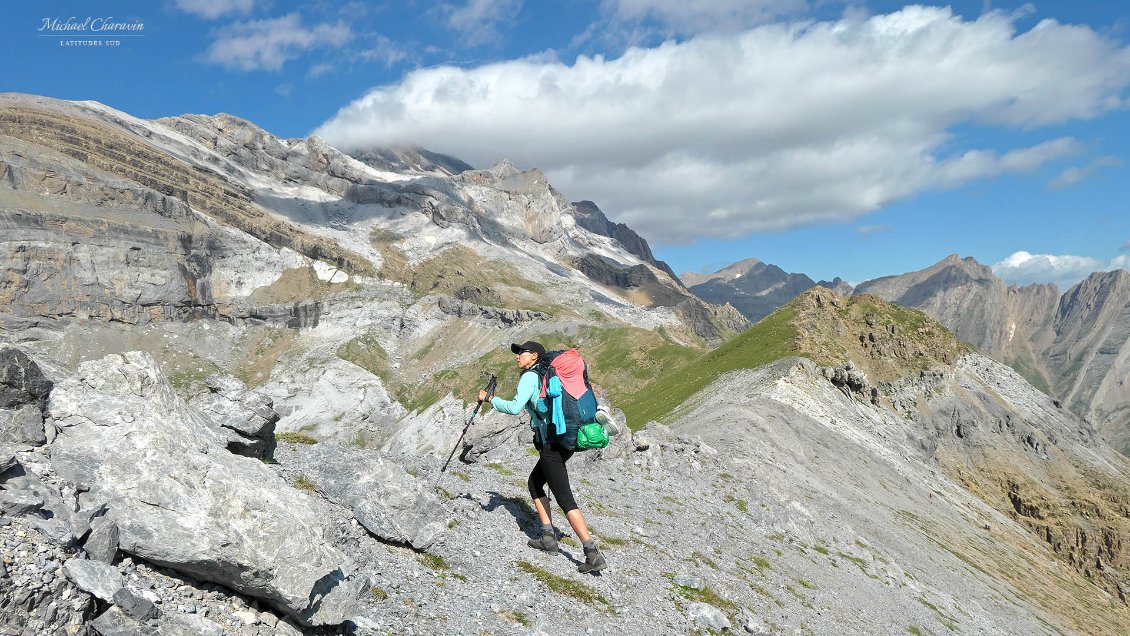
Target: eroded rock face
{"points": [[21, 380], [389, 502], [179, 499], [246, 419], [1071, 346], [23, 394]]}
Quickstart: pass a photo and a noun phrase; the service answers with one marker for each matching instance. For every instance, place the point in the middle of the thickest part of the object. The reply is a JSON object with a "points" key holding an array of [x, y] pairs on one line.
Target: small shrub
{"points": [[854, 559], [821, 549], [697, 556], [516, 617], [463, 476], [563, 585], [761, 562], [706, 595], [500, 469], [740, 504], [526, 507], [295, 438], [304, 483], [379, 594], [806, 584], [434, 561], [613, 540]]}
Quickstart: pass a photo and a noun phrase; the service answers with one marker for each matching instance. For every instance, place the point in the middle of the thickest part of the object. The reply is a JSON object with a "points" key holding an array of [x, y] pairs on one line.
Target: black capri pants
{"points": [[551, 470]]}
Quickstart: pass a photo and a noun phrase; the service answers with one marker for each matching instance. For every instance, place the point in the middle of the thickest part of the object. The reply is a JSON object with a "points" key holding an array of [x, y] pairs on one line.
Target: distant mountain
{"points": [[1076, 347], [754, 288], [590, 217], [401, 159]]}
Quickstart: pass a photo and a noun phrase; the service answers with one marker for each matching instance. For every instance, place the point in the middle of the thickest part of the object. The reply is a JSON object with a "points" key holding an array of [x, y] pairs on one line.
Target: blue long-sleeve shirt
{"points": [[527, 395]]}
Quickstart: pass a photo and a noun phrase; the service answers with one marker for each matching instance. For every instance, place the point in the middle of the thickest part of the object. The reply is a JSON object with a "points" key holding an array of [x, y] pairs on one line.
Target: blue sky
{"points": [[833, 138]]}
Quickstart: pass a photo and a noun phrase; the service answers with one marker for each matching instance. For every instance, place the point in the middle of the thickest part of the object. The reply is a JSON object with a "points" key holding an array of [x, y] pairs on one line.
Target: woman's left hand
{"points": [[482, 396]]}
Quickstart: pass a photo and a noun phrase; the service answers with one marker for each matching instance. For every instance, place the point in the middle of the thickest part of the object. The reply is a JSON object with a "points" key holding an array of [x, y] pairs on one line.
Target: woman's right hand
{"points": [[482, 396]]}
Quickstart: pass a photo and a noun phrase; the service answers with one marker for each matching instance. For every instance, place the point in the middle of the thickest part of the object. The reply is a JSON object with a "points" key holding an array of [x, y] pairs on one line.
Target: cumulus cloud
{"points": [[1023, 268], [212, 9], [478, 21], [766, 129], [268, 44], [1075, 174]]}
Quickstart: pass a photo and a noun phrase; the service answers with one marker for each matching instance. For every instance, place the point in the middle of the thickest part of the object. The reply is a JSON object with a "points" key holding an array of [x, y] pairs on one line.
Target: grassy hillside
{"points": [[771, 339], [885, 340], [648, 375], [622, 360]]}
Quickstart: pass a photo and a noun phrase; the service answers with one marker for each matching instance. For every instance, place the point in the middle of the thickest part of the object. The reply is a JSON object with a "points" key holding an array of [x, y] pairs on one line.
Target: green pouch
{"points": [[592, 436]]}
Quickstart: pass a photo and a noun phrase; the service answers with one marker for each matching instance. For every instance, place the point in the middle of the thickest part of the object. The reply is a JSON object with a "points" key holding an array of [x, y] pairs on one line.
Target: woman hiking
{"points": [[550, 467]]}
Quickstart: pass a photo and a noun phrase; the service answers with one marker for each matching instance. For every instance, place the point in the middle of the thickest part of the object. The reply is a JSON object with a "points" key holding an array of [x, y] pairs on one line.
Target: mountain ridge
{"points": [[1052, 339]]}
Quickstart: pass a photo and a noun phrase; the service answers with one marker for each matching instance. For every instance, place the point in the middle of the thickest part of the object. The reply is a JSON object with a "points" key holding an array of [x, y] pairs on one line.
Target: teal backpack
{"points": [[570, 402]]}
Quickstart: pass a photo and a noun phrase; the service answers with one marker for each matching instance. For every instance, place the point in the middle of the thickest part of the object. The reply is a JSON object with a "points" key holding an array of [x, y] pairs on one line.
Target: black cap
{"points": [[529, 345]]}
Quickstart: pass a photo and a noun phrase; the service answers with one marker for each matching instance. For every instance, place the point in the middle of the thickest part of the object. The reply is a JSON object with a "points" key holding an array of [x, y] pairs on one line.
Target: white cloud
{"points": [[1075, 174], [384, 51], [1125, 246], [318, 70], [1023, 268], [698, 16], [478, 21], [268, 44], [212, 9], [766, 129]]}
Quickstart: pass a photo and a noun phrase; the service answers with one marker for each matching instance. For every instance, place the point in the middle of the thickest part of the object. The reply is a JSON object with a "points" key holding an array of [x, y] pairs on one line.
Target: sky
{"points": [[828, 137]]}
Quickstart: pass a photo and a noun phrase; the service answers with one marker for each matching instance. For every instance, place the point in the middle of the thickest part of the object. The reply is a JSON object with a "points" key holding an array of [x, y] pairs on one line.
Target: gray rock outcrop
{"points": [[389, 502], [592, 218], [23, 395], [246, 419], [179, 499], [1071, 346]]}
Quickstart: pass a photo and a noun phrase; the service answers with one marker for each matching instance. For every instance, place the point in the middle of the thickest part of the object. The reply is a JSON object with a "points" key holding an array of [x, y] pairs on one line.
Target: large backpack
{"points": [[571, 402]]}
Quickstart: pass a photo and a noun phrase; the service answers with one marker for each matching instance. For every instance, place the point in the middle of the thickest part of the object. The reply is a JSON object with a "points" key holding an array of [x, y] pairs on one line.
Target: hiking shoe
{"points": [[594, 562], [609, 424], [546, 542]]}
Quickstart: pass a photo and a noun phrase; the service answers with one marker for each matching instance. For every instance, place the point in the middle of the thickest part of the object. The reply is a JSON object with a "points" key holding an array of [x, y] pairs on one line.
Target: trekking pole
{"points": [[490, 393]]}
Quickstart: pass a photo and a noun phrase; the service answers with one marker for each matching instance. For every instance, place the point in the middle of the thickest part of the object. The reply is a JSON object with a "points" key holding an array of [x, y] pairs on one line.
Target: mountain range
{"points": [[233, 367], [1073, 346]]}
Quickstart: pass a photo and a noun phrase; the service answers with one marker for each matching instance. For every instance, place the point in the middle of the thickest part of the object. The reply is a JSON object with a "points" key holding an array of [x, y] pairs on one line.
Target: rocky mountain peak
{"points": [[504, 169], [741, 268], [885, 340]]}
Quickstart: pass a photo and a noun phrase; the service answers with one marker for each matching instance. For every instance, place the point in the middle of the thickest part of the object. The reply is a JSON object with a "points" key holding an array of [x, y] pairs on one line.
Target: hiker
{"points": [[550, 467]]}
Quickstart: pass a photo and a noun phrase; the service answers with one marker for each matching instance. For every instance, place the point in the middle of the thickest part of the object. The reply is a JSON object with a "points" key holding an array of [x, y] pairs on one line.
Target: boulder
{"points": [[433, 431], [179, 499], [384, 498], [22, 426], [246, 419], [94, 577], [21, 380], [708, 617], [102, 542]]}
